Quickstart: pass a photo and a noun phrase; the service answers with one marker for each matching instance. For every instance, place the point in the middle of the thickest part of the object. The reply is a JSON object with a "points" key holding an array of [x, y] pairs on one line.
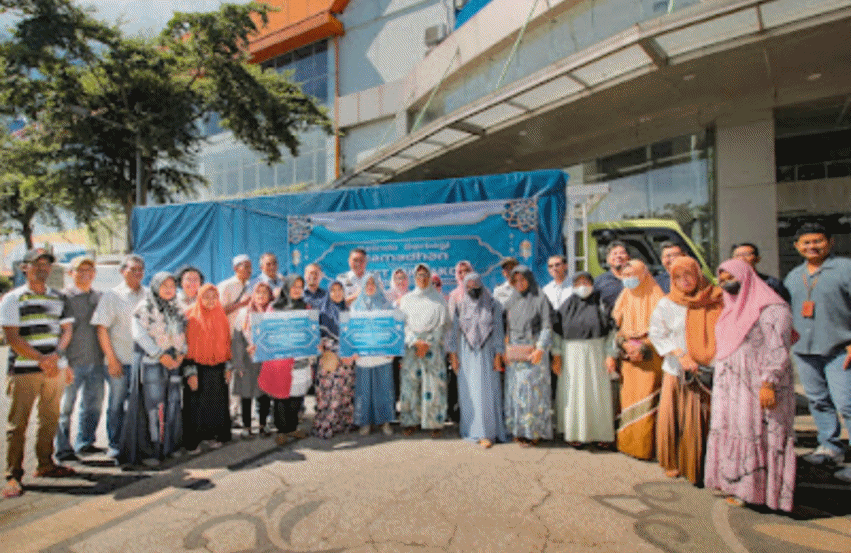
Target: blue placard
{"points": [[372, 333], [285, 334]]}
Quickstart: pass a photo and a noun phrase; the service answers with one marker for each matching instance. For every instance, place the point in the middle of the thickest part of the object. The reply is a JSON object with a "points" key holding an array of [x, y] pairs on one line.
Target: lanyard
{"points": [[809, 286]]}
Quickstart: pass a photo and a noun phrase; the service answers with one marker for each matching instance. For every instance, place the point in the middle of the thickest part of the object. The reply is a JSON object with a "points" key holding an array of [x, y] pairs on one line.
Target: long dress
{"points": [[375, 400], [750, 452], [479, 385], [335, 381], [528, 392], [584, 393], [423, 387]]}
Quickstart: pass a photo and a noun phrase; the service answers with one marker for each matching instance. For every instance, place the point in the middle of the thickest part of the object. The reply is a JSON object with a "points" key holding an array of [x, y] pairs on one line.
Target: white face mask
{"points": [[583, 291], [630, 282]]}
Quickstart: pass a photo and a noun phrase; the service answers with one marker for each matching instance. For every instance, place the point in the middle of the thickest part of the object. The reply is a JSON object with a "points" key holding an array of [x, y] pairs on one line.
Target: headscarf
{"points": [[703, 307], [285, 302], [634, 306], [742, 311], [395, 293], [475, 316], [329, 313], [527, 273], [162, 319], [582, 318], [374, 302], [526, 309], [207, 331], [424, 308], [459, 291]]}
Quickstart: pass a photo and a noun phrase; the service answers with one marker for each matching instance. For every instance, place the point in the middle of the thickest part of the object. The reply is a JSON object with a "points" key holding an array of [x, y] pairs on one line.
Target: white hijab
{"points": [[424, 308]]}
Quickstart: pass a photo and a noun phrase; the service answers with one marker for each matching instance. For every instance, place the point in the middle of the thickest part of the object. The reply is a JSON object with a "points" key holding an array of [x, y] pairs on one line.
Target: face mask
{"points": [[474, 293], [732, 287], [583, 291], [630, 282]]}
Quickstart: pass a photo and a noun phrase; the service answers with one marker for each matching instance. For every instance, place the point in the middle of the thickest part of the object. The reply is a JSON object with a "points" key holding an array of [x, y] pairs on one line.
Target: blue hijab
{"points": [[374, 302], [329, 314]]}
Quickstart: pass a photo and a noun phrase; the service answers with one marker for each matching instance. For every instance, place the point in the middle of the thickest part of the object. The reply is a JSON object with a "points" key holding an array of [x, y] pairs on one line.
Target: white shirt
{"points": [[231, 291], [115, 313], [353, 284], [558, 293], [503, 292], [667, 332]]}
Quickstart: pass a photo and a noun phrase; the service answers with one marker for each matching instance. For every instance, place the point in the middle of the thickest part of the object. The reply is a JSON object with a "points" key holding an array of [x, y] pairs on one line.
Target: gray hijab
{"points": [[475, 316]]}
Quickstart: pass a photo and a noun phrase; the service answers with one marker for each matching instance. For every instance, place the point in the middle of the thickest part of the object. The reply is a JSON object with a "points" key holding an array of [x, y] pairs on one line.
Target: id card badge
{"points": [[808, 309]]}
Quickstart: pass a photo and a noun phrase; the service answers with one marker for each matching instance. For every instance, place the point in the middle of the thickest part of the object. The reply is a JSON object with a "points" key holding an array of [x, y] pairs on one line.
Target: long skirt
{"points": [[640, 390], [480, 394], [245, 371], [374, 395], [423, 394], [334, 397], [205, 410], [528, 402], [584, 398], [682, 427]]}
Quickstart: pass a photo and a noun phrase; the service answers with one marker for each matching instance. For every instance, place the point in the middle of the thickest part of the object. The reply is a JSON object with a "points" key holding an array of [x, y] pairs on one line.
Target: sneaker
{"points": [[387, 429], [844, 475], [364, 430], [90, 449], [66, 456], [823, 455]]}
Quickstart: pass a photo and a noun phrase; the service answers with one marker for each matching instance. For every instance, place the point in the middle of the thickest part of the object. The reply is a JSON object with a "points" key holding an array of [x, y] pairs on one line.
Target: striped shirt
{"points": [[39, 318]]}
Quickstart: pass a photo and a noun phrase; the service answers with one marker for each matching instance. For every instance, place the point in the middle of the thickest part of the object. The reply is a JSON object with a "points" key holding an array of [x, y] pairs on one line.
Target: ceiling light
{"points": [[814, 77], [689, 77]]}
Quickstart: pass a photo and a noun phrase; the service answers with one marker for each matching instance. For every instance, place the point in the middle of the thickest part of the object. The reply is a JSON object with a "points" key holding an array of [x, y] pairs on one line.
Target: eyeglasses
{"points": [[558, 264]]}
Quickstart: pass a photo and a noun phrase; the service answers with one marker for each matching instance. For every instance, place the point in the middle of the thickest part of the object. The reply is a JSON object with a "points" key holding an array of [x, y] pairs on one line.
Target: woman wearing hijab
{"points": [[245, 381], [205, 413], [682, 329], [335, 379], [641, 366], [423, 395], [462, 269], [477, 332], [152, 429], [527, 375], [584, 395], [750, 451], [374, 395], [398, 288]]}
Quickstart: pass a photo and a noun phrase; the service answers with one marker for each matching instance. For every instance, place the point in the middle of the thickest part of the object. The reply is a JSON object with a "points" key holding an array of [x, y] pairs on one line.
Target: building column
{"points": [[746, 185]]}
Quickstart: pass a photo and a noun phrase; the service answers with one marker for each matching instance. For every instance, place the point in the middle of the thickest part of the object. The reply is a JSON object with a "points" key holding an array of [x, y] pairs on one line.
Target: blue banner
{"points": [[285, 334], [372, 333], [437, 235]]}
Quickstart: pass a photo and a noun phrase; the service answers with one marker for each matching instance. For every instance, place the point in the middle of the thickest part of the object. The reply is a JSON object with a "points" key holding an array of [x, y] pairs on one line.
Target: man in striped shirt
{"points": [[38, 329]]}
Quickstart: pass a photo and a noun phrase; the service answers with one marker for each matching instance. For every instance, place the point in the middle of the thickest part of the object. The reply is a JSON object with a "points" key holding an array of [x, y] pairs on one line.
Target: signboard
{"points": [[285, 334], [372, 333]]}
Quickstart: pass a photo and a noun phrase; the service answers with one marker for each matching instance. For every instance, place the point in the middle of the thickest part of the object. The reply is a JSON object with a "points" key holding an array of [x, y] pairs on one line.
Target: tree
{"points": [[109, 99]]}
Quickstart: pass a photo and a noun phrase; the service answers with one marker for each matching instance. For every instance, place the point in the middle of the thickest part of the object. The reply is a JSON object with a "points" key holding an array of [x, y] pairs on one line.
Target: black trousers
{"points": [[285, 413]]}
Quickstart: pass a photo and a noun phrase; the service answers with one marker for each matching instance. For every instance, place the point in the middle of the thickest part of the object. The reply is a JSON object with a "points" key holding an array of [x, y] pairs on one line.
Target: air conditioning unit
{"points": [[434, 35]]}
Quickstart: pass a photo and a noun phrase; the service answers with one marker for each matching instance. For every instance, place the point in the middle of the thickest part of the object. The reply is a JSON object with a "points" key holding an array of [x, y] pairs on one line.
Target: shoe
{"points": [[844, 475], [387, 429], [66, 456], [215, 444], [267, 430], [112, 453], [151, 462], [12, 488], [364, 430], [195, 451], [823, 455], [281, 439], [90, 449], [56, 471]]}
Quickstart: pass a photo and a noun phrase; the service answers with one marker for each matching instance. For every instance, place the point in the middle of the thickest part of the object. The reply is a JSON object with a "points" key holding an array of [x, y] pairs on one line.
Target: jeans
{"points": [[162, 391], [91, 379], [828, 387], [118, 392]]}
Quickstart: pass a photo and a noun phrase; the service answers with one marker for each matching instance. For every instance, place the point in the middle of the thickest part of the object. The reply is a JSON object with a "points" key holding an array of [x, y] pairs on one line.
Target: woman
{"points": [[335, 380], [462, 269], [205, 414], [682, 329], [189, 280], [584, 393], [152, 429], [374, 398], [399, 287], [245, 384], [750, 451], [477, 331], [423, 395], [641, 366], [527, 375]]}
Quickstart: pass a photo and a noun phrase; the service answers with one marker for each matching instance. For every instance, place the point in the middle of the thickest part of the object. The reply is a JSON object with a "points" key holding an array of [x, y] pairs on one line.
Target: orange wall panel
{"points": [[295, 24]]}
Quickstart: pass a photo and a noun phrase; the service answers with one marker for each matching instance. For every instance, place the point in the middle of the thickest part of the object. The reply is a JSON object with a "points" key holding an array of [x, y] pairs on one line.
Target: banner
{"points": [[372, 333], [437, 235], [285, 334]]}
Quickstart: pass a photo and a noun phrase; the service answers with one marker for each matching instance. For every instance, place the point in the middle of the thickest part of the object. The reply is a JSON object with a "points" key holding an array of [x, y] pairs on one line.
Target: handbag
{"points": [[276, 378], [646, 352], [518, 353], [703, 376]]}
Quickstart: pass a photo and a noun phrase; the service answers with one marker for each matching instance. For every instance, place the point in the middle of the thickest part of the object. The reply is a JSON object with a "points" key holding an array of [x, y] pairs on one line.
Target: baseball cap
{"points": [[37, 253]]}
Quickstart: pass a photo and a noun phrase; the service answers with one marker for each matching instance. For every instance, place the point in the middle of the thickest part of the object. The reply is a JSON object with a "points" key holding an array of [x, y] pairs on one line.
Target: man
{"points": [[85, 358], [821, 310], [38, 329], [234, 294], [313, 293], [355, 278], [558, 289], [668, 251], [504, 291], [609, 283], [749, 253], [112, 320], [269, 273]]}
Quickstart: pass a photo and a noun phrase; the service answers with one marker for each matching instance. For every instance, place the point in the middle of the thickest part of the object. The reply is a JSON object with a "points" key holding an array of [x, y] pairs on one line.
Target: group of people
{"points": [[705, 370]]}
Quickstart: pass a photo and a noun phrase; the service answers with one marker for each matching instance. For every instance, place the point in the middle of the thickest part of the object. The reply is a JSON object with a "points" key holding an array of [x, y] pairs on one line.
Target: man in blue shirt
{"points": [[313, 293], [821, 307]]}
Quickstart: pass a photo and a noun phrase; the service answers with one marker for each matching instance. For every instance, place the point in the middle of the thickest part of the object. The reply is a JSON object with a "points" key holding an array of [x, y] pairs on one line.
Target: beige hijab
{"points": [[633, 307]]}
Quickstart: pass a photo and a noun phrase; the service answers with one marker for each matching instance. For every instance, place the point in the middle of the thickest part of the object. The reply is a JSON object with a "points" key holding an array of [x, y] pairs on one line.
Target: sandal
{"points": [[297, 434], [13, 488], [409, 431], [673, 473], [56, 471], [734, 501], [485, 443], [281, 439], [435, 434]]}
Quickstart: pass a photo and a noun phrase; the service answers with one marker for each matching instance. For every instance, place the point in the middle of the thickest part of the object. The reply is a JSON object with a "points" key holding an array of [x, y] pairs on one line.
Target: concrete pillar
{"points": [[746, 185]]}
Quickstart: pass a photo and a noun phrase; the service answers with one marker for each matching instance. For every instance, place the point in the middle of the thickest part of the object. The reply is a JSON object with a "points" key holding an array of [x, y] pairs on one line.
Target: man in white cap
{"points": [[235, 293]]}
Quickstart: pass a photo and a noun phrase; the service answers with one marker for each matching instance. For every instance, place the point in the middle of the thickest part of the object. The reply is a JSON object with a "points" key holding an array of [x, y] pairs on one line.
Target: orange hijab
{"points": [[633, 307], [207, 331], [703, 306]]}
